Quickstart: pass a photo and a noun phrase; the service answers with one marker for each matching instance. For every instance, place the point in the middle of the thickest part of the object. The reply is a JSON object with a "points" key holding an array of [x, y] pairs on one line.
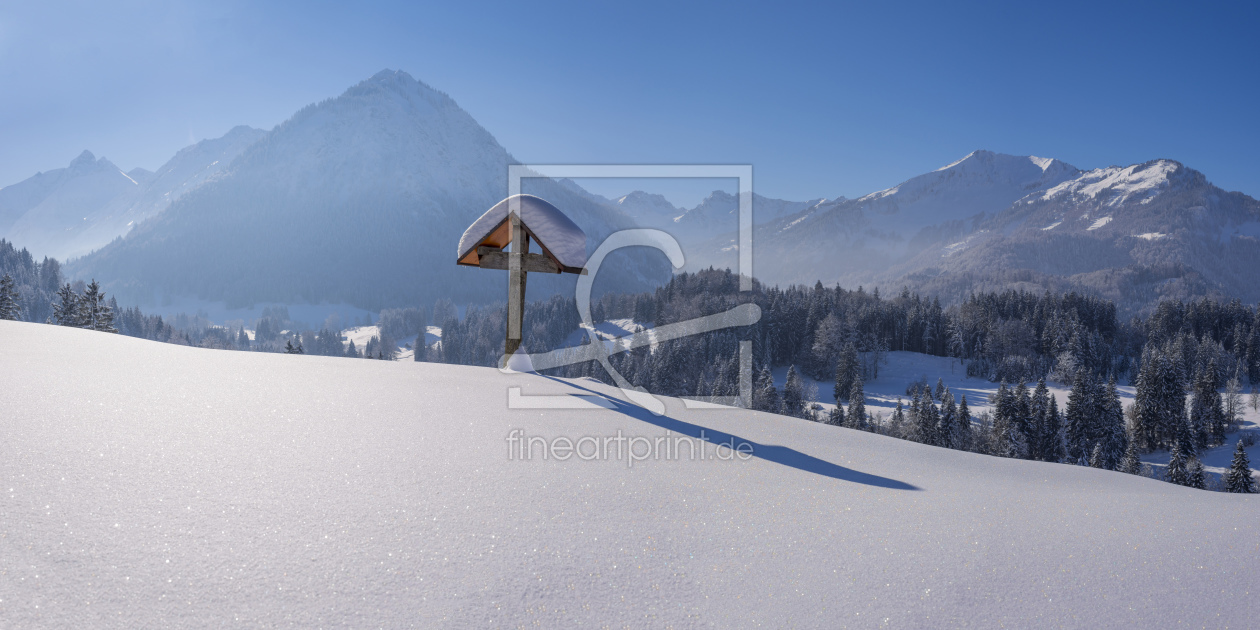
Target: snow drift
{"points": [[151, 485]]}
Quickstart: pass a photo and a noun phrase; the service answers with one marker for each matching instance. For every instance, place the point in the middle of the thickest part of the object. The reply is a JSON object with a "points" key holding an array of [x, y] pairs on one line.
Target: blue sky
{"points": [[823, 99]]}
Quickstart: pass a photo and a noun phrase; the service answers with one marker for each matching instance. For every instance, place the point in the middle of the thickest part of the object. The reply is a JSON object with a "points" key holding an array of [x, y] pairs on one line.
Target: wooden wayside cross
{"points": [[514, 222]]}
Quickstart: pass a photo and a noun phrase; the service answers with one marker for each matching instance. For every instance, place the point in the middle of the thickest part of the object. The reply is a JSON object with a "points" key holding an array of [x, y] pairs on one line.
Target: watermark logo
{"points": [[600, 349], [621, 447]]}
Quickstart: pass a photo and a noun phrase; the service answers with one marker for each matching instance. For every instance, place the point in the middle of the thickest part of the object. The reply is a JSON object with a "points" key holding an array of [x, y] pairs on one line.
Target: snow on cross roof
{"points": [[557, 234]]}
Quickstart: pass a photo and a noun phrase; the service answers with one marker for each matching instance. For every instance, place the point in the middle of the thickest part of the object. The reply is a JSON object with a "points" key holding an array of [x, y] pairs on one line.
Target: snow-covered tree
{"points": [[962, 425], [66, 308], [1131, 463], [1178, 470], [835, 417], [848, 367], [1196, 477], [1096, 457], [1055, 445], [1207, 414], [856, 416], [1239, 477], [946, 428], [94, 311], [765, 395], [793, 394], [9, 298]]}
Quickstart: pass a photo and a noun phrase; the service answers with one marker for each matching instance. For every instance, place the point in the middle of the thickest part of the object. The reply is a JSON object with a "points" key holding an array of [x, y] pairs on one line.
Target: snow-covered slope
{"points": [[151, 485]]}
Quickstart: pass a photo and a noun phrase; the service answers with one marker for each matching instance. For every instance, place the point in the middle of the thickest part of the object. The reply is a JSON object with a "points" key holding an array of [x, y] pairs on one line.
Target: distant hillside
{"points": [[71, 211]]}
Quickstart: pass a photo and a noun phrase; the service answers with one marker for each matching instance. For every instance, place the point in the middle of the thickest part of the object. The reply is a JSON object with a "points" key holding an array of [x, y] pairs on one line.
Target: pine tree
{"points": [[1079, 418], [1011, 440], [94, 311], [1195, 475], [1112, 435], [835, 417], [926, 417], [856, 416], [1131, 463], [766, 396], [1055, 449], [1096, 457], [939, 392], [66, 308], [1207, 414], [1038, 407], [847, 369], [8, 298], [1178, 471], [946, 429], [963, 426], [793, 394], [897, 424], [1239, 478]]}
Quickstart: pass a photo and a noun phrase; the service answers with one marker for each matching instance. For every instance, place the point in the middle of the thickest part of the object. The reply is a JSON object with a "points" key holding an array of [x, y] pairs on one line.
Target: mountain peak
{"points": [[85, 159]]}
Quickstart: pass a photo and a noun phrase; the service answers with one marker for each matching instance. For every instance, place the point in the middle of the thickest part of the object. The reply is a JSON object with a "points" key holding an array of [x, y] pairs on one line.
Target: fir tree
{"points": [[94, 311], [847, 369], [1038, 407], [946, 429], [66, 308], [766, 396], [1096, 457], [1131, 463], [856, 416], [1112, 435], [926, 417], [1207, 412], [835, 417], [1239, 478], [1055, 448], [963, 426], [8, 298], [1195, 475], [939, 392], [1080, 418], [793, 394], [1178, 471], [896, 425]]}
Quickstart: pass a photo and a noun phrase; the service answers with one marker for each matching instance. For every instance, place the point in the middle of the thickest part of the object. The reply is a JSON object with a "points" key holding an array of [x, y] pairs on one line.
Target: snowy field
{"points": [[146, 485], [406, 346]]}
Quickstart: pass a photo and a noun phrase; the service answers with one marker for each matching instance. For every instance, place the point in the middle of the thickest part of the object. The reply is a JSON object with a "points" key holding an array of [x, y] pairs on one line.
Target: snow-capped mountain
{"points": [[1135, 234], [71, 211], [359, 199], [992, 221]]}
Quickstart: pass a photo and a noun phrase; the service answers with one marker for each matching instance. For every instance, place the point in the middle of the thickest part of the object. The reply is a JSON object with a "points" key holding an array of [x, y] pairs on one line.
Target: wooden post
{"points": [[516, 285]]}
